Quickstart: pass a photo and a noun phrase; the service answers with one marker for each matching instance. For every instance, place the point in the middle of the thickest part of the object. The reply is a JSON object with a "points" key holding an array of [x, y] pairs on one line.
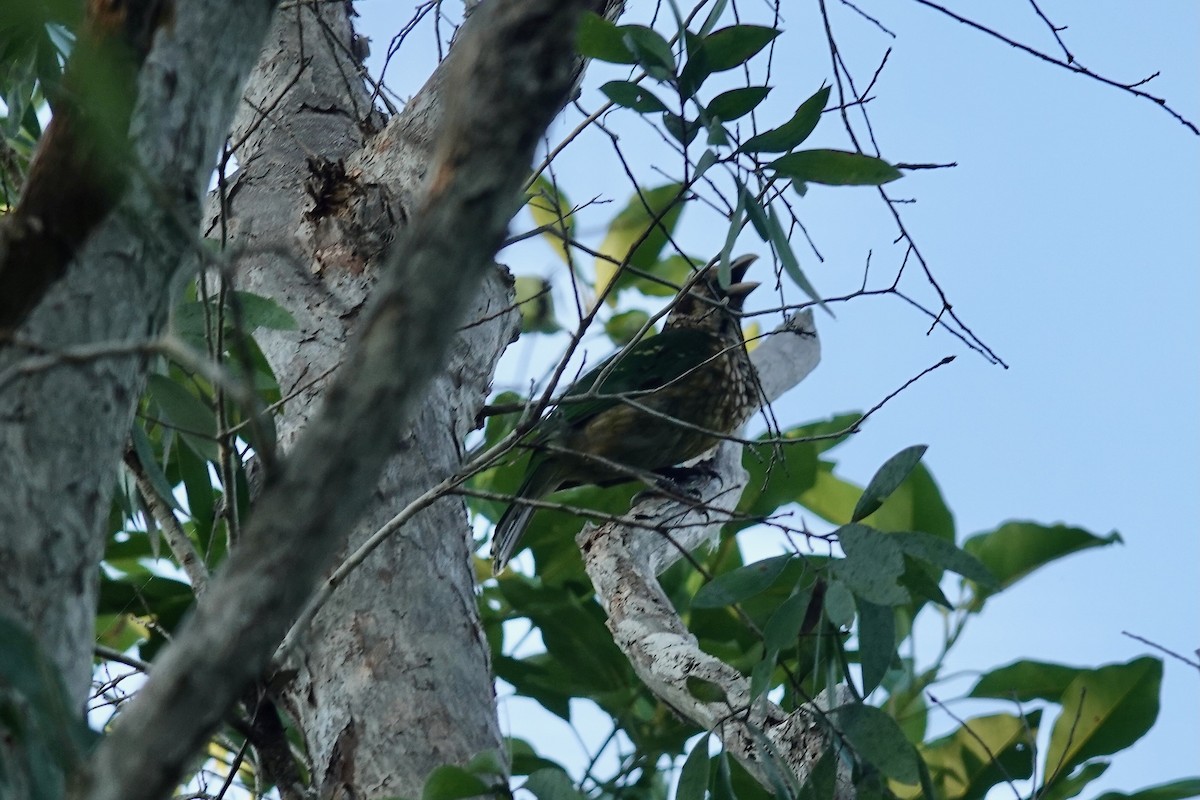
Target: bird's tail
{"points": [[542, 480]]}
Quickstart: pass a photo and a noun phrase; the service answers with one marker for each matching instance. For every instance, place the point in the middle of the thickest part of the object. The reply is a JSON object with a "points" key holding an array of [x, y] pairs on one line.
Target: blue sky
{"points": [[1069, 239]]}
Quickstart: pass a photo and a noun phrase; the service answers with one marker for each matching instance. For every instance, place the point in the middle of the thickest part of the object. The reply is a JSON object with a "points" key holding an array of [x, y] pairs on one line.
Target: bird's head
{"points": [[708, 305]]}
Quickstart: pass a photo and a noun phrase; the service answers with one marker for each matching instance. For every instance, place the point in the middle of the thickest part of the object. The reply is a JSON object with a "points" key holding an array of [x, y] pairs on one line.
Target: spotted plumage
{"points": [[666, 400]]}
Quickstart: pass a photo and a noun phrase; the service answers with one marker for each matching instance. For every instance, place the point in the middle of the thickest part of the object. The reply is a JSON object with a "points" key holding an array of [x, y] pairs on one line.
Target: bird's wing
{"points": [[648, 365]]}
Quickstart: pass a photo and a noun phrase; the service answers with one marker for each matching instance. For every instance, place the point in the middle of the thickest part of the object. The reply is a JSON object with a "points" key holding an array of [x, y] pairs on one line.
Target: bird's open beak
{"points": [[741, 289]]}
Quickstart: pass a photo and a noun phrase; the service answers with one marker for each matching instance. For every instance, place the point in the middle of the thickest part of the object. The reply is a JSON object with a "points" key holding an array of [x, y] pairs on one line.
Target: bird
{"points": [[666, 400]]}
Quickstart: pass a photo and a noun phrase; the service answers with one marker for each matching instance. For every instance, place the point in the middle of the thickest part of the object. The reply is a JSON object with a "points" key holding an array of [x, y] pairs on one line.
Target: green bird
{"points": [[668, 399]]}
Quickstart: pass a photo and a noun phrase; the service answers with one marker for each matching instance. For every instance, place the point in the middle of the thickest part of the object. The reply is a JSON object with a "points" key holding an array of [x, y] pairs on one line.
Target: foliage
{"points": [[836, 608]]}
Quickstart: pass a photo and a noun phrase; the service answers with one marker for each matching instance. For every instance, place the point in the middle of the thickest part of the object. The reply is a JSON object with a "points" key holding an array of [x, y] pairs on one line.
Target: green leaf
{"points": [[41, 724], [839, 604], [683, 130], [602, 40], [632, 95], [783, 627], [552, 784], [887, 479], [551, 210], [878, 740], [707, 159], [944, 555], [693, 776], [258, 312], [525, 760], [1103, 711], [536, 305], [1175, 790], [714, 16], [623, 327], [1025, 680], [982, 753], [722, 787], [733, 46], [822, 778], [737, 103], [1016, 549], [650, 49], [783, 249], [835, 168], [671, 272], [198, 484], [585, 659], [638, 233], [149, 463], [793, 132], [187, 413], [785, 474], [452, 783], [755, 210], [741, 583], [1071, 785], [872, 566], [876, 642]]}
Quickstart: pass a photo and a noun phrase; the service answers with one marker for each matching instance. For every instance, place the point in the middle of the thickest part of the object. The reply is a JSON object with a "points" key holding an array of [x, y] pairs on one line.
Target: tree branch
{"points": [[512, 76], [623, 561]]}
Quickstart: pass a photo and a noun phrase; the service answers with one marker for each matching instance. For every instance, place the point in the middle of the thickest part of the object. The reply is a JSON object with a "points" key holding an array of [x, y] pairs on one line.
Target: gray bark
{"points": [[511, 75], [63, 425], [398, 647]]}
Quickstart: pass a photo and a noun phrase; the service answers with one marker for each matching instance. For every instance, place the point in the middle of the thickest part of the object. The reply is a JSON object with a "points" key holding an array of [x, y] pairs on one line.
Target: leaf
{"points": [[822, 778], [878, 740], [839, 604], [714, 16], [195, 421], [683, 130], [198, 485], [651, 50], [981, 753], [756, 212], [876, 642], [602, 40], [693, 776], [887, 479], [741, 583], [535, 304], [258, 312], [638, 233], [632, 95], [623, 327], [872, 566], [793, 132], [835, 168], [449, 782], [551, 210], [707, 159], [552, 784], [1068, 786], [1016, 549], [1103, 711], [1175, 790], [943, 555], [524, 759], [733, 46], [1027, 680], [783, 249], [781, 630], [737, 103], [761, 674], [154, 471], [671, 273]]}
